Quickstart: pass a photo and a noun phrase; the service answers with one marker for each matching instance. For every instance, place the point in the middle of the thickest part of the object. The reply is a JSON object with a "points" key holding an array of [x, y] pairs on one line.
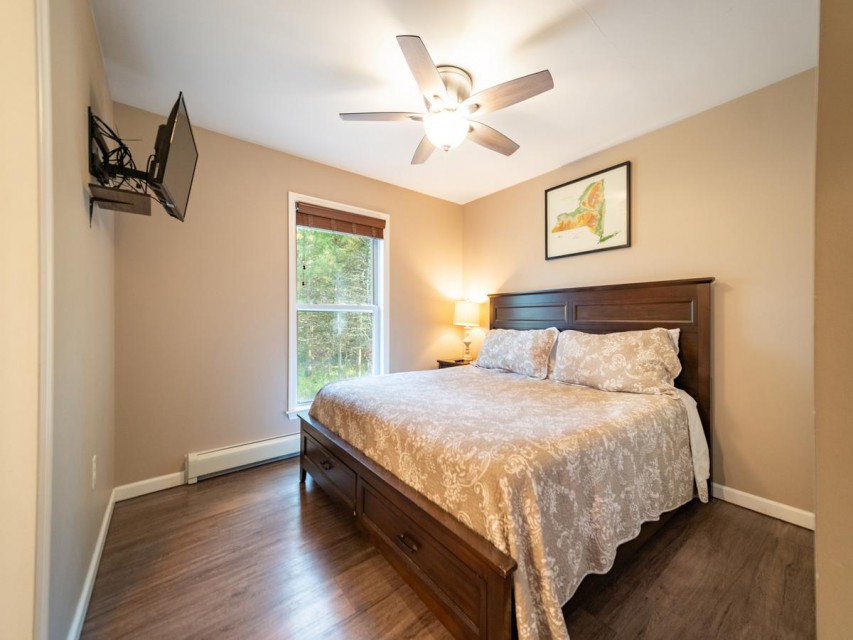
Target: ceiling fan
{"points": [[449, 104]]}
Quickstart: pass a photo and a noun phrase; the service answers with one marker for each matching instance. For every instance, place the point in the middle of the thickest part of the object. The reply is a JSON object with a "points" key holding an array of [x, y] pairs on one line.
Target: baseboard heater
{"points": [[203, 464]]}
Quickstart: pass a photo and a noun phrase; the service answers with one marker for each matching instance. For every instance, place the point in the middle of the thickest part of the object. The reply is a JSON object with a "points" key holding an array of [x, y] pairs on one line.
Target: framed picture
{"points": [[589, 214]]}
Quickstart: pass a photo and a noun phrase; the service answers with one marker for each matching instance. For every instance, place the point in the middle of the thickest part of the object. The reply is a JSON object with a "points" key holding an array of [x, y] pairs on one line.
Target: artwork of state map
{"points": [[589, 213]]}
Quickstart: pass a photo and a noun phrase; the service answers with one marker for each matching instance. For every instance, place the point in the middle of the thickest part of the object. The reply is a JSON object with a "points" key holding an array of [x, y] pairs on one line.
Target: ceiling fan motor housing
{"points": [[458, 84]]}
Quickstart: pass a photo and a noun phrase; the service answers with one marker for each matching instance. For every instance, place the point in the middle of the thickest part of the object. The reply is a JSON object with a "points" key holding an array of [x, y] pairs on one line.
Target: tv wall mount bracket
{"points": [[120, 185]]}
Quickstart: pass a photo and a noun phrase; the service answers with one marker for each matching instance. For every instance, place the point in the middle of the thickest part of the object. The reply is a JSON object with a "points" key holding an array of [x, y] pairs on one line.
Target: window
{"points": [[337, 303]]}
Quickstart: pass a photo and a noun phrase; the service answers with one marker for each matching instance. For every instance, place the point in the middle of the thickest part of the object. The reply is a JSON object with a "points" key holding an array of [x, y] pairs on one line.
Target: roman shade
{"points": [[317, 217]]}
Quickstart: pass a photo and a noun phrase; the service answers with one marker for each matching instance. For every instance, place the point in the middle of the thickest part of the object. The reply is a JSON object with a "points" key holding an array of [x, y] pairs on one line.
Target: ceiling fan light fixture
{"points": [[446, 128], [446, 91]]}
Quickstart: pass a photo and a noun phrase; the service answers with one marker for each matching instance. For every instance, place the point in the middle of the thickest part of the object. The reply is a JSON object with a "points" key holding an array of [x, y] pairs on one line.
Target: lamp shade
{"points": [[466, 313]]}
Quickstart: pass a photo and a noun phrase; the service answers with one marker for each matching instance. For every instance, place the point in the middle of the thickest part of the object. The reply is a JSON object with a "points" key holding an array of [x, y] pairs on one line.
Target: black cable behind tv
{"points": [[169, 172]]}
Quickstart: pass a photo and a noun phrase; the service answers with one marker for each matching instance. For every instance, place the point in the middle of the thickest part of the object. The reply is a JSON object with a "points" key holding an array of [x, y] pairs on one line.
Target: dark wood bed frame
{"points": [[462, 577]]}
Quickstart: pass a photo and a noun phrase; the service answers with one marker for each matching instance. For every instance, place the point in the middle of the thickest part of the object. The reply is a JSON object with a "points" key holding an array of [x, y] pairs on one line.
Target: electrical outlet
{"points": [[94, 469]]}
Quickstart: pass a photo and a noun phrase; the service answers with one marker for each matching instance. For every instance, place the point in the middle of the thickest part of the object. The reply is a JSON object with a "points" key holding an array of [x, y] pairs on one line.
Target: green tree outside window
{"points": [[336, 308]]}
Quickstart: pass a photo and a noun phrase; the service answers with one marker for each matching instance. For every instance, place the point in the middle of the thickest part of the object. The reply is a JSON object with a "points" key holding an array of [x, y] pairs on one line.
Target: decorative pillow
{"points": [[633, 361], [524, 352]]}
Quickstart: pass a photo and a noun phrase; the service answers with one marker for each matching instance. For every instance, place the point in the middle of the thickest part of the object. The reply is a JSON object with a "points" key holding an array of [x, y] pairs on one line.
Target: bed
{"points": [[458, 557]]}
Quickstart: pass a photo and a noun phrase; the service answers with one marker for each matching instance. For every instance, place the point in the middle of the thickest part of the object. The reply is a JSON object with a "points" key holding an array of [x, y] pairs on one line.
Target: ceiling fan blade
{"points": [[424, 151], [423, 68], [383, 116], [491, 139], [509, 93]]}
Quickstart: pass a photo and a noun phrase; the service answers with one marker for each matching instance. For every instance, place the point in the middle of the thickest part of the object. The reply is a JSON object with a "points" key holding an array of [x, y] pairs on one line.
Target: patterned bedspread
{"points": [[555, 475]]}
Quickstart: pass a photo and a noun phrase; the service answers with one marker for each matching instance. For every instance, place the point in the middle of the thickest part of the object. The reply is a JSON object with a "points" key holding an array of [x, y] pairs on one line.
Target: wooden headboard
{"points": [[681, 304]]}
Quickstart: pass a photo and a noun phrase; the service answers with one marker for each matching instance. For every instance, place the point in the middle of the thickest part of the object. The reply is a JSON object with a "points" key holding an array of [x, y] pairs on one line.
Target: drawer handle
{"points": [[326, 465], [410, 545]]}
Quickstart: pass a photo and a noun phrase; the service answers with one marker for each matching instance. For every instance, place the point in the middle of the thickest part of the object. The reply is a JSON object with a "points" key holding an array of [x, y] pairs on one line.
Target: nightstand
{"points": [[443, 364]]}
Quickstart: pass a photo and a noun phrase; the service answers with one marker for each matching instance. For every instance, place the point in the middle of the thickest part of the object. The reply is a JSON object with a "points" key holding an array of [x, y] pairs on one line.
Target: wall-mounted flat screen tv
{"points": [[175, 160]]}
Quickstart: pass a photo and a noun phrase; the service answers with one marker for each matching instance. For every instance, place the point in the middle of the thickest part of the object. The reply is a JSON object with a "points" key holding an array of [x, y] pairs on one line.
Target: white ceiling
{"points": [[278, 72]]}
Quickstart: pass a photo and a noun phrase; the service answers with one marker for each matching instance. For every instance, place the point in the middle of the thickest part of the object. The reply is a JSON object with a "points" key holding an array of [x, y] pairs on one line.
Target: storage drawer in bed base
{"points": [[411, 550], [336, 478]]}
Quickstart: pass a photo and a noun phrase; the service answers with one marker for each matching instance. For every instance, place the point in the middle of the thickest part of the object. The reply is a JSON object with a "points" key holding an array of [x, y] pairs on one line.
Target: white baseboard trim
{"points": [[89, 583], [136, 489], [770, 508]]}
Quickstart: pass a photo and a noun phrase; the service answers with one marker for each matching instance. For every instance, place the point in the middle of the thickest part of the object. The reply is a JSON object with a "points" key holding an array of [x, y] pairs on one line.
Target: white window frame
{"points": [[381, 326]]}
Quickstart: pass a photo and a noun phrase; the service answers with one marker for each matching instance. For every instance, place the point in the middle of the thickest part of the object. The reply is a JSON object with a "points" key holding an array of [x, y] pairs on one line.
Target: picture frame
{"points": [[589, 214]]}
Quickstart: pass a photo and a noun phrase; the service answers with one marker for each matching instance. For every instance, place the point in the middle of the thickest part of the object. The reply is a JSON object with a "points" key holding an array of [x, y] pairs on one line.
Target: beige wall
{"points": [[201, 307], [833, 313], [83, 403], [727, 193], [19, 316]]}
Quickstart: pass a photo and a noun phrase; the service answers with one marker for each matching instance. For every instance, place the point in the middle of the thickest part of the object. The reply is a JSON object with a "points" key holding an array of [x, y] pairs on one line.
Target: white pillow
{"points": [[632, 361], [524, 352]]}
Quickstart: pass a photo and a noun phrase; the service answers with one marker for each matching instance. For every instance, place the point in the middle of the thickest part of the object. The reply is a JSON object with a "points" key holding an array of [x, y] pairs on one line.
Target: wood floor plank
{"points": [[255, 555], [584, 625], [400, 615], [720, 574]]}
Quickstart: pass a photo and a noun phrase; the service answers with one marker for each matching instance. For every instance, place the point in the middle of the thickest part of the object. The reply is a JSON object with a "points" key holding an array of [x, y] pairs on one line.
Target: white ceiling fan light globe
{"points": [[446, 128]]}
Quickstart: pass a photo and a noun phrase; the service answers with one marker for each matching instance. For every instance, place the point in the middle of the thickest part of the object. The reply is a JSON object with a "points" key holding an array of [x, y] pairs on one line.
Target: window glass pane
{"points": [[331, 345], [333, 268]]}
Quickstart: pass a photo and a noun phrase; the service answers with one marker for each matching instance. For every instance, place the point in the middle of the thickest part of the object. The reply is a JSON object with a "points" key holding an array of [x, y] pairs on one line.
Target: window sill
{"points": [[292, 414]]}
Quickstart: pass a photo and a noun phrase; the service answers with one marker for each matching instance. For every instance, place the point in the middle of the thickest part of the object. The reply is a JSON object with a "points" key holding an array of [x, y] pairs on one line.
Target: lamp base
{"points": [[467, 342]]}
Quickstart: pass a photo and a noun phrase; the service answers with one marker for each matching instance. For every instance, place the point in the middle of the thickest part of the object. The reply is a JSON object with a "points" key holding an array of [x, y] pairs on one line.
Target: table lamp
{"points": [[467, 314]]}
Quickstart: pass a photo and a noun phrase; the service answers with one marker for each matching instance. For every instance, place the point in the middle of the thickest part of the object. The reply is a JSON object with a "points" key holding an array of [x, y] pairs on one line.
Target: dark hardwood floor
{"points": [[254, 555]]}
